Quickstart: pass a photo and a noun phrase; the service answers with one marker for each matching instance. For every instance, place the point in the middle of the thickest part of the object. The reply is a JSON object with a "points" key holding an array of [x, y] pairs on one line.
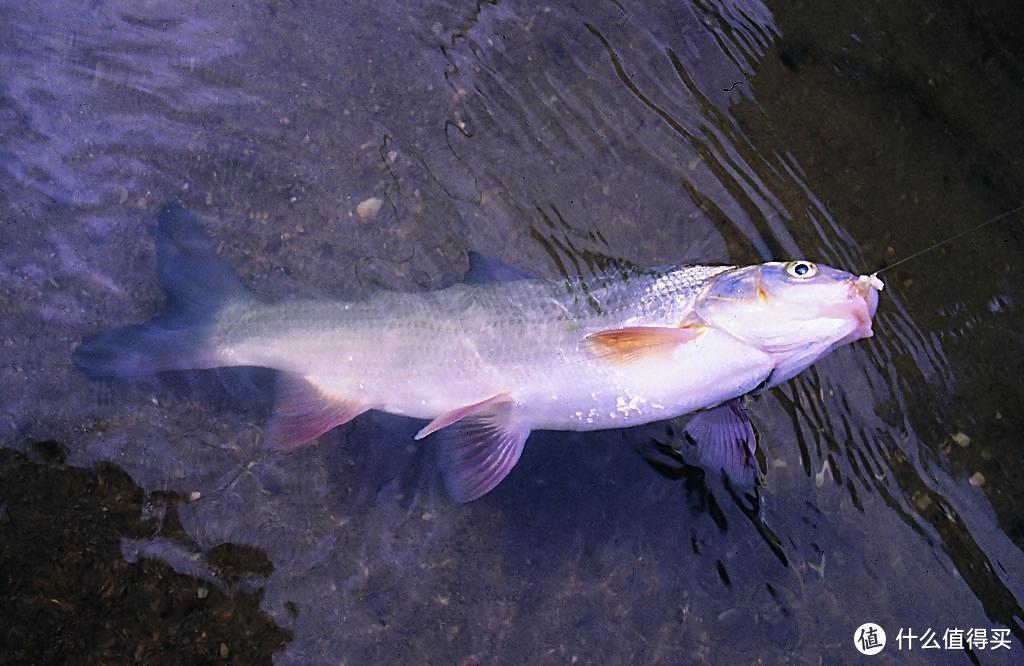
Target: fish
{"points": [[503, 353]]}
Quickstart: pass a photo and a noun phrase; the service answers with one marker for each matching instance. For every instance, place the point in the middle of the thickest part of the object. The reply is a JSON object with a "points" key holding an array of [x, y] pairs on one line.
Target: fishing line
{"points": [[953, 238]]}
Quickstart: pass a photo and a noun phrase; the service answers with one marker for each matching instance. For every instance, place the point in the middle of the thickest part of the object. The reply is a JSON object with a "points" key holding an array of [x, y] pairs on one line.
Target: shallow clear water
{"points": [[557, 138]]}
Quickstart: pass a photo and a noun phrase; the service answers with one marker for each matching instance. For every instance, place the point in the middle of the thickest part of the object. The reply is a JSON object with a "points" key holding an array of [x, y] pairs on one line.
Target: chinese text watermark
{"points": [[870, 638]]}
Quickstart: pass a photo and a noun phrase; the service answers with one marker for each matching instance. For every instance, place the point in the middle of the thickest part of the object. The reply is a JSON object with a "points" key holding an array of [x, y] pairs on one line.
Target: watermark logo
{"points": [[869, 638], [975, 638]]}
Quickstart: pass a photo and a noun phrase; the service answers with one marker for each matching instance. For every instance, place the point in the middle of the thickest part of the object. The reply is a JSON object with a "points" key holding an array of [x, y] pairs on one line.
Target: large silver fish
{"points": [[488, 362]]}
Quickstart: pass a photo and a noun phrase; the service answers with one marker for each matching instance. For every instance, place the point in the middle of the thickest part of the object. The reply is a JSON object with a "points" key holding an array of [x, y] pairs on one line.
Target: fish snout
{"points": [[862, 302], [867, 288]]}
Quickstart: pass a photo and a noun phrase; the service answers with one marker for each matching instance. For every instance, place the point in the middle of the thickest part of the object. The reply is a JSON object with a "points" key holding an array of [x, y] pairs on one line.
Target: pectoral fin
{"points": [[623, 345], [304, 412], [725, 441], [479, 447]]}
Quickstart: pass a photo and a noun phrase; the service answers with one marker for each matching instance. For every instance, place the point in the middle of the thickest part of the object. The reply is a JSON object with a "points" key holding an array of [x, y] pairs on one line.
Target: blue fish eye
{"points": [[801, 269]]}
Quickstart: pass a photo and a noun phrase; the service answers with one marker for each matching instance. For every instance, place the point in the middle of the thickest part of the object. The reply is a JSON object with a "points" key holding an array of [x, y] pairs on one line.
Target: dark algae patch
{"points": [[69, 596]]}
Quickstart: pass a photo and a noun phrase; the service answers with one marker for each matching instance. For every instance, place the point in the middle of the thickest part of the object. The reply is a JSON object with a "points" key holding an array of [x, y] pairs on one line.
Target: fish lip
{"points": [[867, 287], [861, 303]]}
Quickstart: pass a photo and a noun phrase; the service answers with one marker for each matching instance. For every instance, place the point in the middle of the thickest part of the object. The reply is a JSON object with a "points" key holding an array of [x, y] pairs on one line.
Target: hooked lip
{"points": [[860, 304], [863, 292], [867, 287]]}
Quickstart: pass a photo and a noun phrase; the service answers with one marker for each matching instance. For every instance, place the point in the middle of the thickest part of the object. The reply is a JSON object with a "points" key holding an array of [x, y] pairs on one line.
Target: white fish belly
{"points": [[558, 389], [595, 395]]}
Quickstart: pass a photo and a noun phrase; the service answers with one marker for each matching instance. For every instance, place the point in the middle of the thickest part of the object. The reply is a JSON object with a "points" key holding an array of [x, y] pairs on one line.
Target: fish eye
{"points": [[801, 269]]}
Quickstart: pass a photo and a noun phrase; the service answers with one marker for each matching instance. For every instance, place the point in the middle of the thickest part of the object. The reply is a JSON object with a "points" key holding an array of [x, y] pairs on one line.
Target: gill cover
{"points": [[796, 311]]}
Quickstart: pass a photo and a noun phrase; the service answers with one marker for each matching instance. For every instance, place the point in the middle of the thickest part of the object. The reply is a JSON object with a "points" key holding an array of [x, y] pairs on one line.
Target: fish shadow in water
{"points": [[671, 461], [372, 458], [246, 390], [379, 462], [568, 486]]}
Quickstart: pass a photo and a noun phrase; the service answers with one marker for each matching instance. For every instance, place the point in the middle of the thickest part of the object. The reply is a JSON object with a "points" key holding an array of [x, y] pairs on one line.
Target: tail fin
{"points": [[198, 286]]}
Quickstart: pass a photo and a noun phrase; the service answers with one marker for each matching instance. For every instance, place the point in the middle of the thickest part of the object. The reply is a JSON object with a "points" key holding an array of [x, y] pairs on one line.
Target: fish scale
{"points": [[470, 339]]}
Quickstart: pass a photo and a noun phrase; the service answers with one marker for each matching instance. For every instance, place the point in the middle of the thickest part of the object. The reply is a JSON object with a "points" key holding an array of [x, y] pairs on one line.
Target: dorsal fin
{"points": [[483, 270]]}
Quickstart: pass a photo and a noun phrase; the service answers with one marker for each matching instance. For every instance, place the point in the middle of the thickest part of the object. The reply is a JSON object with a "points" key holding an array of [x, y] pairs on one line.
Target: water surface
{"points": [[560, 138]]}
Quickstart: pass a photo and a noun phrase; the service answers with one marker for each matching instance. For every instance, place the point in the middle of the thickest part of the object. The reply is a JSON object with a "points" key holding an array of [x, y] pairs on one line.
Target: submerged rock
{"points": [[72, 597]]}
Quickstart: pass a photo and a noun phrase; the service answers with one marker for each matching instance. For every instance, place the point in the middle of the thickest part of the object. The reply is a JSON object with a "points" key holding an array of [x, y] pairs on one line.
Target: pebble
{"points": [[369, 208], [961, 439], [977, 479]]}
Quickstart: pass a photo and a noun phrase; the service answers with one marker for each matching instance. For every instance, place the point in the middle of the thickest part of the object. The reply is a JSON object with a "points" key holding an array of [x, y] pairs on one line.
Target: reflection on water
{"points": [[566, 141]]}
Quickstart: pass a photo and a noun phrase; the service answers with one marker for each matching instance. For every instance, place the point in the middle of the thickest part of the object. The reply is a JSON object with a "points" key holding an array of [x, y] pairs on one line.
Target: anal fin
{"points": [[304, 412]]}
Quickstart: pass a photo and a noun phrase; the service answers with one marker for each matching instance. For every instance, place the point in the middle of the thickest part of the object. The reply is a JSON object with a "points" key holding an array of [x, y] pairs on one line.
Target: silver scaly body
{"points": [[423, 354]]}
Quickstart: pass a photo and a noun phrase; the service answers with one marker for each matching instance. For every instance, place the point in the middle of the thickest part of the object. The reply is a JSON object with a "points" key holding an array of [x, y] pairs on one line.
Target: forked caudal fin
{"points": [[198, 286]]}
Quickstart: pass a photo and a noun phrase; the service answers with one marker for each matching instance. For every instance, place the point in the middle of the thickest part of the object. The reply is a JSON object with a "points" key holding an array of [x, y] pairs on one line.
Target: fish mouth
{"points": [[860, 305]]}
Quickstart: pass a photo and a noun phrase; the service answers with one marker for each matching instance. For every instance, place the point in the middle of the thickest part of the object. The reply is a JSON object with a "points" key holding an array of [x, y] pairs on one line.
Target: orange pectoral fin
{"points": [[624, 345]]}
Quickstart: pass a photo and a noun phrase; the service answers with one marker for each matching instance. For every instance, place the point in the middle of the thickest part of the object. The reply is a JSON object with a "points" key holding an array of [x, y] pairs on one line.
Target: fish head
{"points": [[795, 311]]}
